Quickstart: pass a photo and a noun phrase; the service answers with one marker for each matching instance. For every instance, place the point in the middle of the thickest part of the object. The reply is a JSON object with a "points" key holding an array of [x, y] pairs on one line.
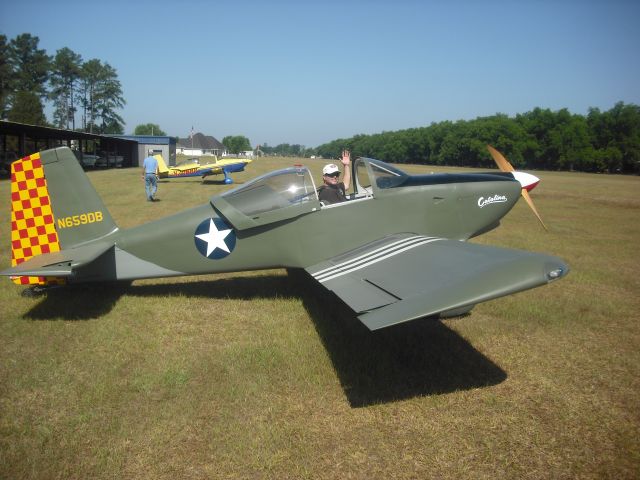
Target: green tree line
{"points": [[540, 139], [149, 129], [86, 90], [236, 143], [286, 150]]}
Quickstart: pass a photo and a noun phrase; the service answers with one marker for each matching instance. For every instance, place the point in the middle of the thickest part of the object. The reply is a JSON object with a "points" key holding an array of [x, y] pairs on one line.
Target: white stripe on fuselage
{"points": [[372, 257]]}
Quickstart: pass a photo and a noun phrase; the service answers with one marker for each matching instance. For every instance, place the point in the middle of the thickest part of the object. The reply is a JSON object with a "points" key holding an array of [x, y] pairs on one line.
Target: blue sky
{"points": [[284, 71]]}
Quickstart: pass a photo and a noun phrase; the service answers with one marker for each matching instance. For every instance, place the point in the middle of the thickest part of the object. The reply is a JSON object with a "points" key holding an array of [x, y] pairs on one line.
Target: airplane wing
{"points": [[234, 167], [210, 169], [405, 276]]}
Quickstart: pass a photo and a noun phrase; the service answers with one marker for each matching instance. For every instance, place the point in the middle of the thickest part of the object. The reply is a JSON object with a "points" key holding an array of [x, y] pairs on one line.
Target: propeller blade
{"points": [[502, 162], [527, 181], [526, 196]]}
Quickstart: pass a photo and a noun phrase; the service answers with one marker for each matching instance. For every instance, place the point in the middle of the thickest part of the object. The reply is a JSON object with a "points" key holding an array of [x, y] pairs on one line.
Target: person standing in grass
{"points": [[150, 176], [333, 191]]}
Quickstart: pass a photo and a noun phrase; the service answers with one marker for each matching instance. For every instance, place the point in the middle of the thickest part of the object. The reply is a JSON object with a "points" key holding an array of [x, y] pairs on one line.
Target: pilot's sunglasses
{"points": [[334, 174]]}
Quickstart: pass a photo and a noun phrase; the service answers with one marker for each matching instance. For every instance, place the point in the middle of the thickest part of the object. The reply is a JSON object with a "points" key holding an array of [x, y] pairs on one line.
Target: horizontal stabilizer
{"points": [[405, 277], [58, 264]]}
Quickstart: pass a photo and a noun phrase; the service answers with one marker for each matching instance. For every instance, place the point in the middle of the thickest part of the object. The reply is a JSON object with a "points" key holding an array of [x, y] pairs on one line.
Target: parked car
{"points": [[87, 160], [5, 161], [101, 162], [111, 159]]}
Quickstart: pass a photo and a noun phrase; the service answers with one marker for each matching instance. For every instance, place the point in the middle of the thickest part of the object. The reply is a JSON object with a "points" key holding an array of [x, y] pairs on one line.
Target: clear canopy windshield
{"points": [[190, 161], [273, 191], [387, 176]]}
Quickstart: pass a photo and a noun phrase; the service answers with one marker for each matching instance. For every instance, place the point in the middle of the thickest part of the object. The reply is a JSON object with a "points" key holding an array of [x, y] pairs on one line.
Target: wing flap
{"points": [[404, 277], [360, 294]]}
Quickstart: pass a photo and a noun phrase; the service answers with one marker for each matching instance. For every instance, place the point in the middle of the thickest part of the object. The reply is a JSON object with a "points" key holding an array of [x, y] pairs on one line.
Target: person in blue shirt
{"points": [[150, 176]]}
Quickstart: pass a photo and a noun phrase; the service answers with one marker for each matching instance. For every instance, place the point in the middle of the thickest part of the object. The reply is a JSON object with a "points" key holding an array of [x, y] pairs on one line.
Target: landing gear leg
{"points": [[38, 290]]}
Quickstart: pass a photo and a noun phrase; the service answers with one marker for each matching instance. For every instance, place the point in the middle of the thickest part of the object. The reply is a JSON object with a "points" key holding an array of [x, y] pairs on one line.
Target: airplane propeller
{"points": [[527, 181]]}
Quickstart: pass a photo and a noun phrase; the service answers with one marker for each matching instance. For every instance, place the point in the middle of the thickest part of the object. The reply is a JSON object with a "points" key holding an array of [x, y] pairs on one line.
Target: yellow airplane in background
{"points": [[195, 167]]}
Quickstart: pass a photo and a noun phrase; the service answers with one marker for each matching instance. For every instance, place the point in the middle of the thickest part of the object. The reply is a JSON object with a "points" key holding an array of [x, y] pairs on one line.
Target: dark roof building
{"points": [[20, 139], [200, 144]]}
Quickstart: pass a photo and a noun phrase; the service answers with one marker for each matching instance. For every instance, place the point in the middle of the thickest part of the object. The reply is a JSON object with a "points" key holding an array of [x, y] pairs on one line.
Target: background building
{"points": [[92, 150], [200, 144], [163, 145]]}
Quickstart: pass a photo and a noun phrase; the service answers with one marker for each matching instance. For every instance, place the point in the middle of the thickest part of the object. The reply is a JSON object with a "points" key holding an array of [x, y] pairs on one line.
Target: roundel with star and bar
{"points": [[214, 239]]}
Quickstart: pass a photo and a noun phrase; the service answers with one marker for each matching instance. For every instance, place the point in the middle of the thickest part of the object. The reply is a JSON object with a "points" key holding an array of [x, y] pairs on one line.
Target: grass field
{"points": [[263, 375]]}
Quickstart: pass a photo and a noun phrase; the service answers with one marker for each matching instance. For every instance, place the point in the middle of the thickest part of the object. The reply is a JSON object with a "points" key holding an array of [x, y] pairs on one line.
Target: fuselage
{"points": [[196, 169], [275, 220], [189, 172], [447, 206]]}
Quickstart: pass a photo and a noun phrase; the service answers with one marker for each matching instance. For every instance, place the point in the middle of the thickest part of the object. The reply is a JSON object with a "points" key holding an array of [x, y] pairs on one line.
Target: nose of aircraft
{"points": [[527, 181]]}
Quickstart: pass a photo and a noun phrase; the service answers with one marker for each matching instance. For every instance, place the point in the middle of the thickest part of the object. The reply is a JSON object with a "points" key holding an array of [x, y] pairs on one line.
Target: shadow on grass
{"points": [[169, 181], [81, 302], [417, 358], [423, 357], [211, 181], [87, 301]]}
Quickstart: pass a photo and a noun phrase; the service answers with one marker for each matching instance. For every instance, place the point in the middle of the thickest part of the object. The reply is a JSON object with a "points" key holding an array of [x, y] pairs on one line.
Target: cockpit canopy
{"points": [[188, 163], [275, 196], [291, 192], [275, 190]]}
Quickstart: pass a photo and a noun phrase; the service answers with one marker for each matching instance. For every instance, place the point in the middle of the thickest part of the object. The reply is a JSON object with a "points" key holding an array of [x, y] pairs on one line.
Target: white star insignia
{"points": [[215, 238]]}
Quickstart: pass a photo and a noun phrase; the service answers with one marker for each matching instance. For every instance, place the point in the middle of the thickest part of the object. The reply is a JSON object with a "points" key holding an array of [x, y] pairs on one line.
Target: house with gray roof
{"points": [[200, 144]]}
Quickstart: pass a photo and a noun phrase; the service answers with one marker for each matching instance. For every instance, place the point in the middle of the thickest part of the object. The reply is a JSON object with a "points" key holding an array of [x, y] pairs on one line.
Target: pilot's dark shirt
{"points": [[332, 193]]}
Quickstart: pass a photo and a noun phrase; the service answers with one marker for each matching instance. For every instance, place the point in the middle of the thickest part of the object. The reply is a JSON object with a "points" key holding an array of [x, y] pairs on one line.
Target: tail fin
{"points": [[53, 206], [162, 166]]}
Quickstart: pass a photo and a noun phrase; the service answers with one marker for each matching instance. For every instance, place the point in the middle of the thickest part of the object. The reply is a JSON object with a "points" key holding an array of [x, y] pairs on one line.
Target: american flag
{"points": [[191, 134]]}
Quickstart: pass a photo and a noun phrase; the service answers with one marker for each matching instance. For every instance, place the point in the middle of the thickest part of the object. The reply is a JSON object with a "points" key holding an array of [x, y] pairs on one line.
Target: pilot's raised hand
{"points": [[346, 157], [346, 162]]}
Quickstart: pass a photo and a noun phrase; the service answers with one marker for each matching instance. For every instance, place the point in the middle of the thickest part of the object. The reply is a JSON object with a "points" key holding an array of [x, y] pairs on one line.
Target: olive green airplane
{"points": [[395, 251]]}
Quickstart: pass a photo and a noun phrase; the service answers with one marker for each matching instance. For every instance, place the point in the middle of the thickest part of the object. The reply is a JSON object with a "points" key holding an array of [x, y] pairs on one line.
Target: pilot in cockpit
{"points": [[334, 191]]}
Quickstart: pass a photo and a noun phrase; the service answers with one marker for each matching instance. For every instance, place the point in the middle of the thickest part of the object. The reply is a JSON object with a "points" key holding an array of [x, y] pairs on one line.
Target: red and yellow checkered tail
{"points": [[32, 224]]}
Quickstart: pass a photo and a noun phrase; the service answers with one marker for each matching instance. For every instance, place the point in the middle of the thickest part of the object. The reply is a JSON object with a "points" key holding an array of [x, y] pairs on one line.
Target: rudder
{"points": [[33, 229], [163, 170]]}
